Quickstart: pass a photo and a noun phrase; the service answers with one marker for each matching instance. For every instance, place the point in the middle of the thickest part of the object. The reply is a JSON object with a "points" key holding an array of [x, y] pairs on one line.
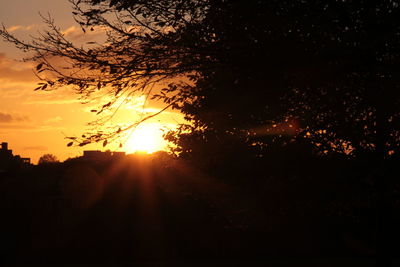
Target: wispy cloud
{"points": [[30, 127], [11, 126], [76, 34], [14, 71], [51, 102], [10, 118], [4, 117], [36, 148], [21, 28], [53, 120]]}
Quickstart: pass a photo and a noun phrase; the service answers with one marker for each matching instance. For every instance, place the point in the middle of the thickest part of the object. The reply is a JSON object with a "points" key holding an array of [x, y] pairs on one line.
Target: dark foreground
{"points": [[159, 211]]}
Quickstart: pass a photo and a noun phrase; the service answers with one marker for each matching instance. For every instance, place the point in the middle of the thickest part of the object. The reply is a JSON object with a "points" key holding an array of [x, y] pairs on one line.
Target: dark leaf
{"points": [[107, 105], [113, 70], [113, 2], [70, 143], [84, 143]]}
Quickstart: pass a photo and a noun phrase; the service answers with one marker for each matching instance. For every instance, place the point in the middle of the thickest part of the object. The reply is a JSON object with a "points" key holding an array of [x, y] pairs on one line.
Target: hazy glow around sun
{"points": [[146, 138]]}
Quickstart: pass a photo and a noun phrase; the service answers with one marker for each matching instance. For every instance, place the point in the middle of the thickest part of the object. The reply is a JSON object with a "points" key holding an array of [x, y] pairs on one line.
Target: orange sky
{"points": [[36, 122]]}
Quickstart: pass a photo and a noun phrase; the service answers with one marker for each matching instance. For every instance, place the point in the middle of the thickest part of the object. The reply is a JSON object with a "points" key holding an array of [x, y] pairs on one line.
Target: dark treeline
{"points": [[157, 208]]}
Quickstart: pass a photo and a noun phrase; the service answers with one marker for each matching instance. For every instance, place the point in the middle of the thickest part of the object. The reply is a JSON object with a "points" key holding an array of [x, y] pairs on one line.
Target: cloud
{"points": [[54, 120], [36, 148], [76, 34], [73, 30], [4, 117], [21, 28], [31, 128], [51, 102], [60, 96], [14, 71], [18, 127], [8, 118]]}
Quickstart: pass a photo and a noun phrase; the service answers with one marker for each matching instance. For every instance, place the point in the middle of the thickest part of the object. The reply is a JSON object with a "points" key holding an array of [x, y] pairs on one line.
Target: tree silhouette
{"points": [[323, 71], [47, 159], [325, 68], [147, 43]]}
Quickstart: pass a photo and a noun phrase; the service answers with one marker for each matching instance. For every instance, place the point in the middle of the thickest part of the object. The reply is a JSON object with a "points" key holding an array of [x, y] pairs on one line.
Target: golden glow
{"points": [[146, 138], [36, 122]]}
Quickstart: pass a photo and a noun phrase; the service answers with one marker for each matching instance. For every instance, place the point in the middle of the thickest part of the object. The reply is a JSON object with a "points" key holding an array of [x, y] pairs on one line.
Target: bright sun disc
{"points": [[146, 138]]}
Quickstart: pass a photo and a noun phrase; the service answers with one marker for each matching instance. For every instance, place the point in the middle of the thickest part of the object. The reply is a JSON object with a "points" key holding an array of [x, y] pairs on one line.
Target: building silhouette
{"points": [[8, 161]]}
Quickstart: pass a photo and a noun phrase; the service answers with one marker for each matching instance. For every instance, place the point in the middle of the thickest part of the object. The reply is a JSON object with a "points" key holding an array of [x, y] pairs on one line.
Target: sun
{"points": [[146, 138]]}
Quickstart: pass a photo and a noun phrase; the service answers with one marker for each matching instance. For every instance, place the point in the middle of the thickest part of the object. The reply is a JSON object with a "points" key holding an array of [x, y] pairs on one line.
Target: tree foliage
{"points": [[146, 43], [245, 74], [323, 71], [47, 159]]}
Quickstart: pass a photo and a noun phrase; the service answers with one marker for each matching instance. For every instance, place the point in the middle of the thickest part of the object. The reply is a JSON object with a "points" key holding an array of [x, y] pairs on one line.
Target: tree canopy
{"points": [[321, 71], [47, 159], [244, 73]]}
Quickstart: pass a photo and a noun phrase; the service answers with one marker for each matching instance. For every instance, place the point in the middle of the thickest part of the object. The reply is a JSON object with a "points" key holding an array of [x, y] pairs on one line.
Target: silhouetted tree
{"points": [[47, 159], [326, 69], [146, 43], [250, 73]]}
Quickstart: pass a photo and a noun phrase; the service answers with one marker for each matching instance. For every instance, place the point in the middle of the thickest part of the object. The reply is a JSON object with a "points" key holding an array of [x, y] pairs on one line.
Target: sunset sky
{"points": [[36, 122]]}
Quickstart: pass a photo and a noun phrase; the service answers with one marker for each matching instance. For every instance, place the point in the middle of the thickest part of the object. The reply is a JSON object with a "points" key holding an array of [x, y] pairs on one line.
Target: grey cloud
{"points": [[8, 118], [4, 117]]}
